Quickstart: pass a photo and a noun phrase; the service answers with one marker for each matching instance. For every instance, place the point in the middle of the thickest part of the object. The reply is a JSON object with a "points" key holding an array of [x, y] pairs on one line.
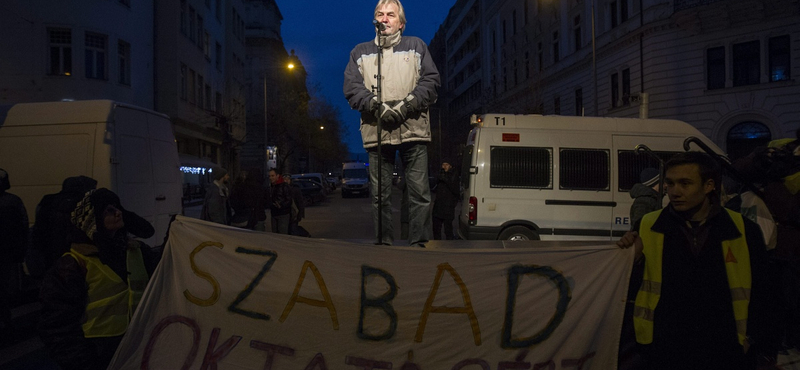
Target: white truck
{"points": [[355, 179], [127, 149], [533, 177]]}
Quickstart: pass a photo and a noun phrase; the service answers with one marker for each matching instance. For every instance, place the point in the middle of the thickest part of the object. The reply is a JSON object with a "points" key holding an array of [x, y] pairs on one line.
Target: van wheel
{"points": [[514, 233]]}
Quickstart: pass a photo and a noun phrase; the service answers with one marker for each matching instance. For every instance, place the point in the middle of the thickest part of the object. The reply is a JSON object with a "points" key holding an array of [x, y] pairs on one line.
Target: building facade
{"points": [[56, 50], [724, 66]]}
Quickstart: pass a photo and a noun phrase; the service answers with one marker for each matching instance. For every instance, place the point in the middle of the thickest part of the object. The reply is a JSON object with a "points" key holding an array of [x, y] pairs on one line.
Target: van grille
{"points": [[584, 169], [521, 167]]}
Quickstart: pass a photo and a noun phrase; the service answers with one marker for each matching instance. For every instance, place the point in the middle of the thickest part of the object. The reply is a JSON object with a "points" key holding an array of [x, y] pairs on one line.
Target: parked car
{"points": [[312, 191], [316, 177]]}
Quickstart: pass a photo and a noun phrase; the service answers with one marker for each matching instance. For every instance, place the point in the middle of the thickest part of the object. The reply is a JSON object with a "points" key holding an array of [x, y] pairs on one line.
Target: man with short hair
{"points": [[444, 207], [408, 86], [703, 300]]}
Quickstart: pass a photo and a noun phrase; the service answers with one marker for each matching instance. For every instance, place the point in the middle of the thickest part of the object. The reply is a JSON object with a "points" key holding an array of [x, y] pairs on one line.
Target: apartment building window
{"points": [[746, 63], [206, 45], [746, 136], [504, 31], [184, 19], [540, 55], [527, 65], [516, 75], [192, 24], [124, 55], [218, 103], [200, 32], [626, 86], [779, 59], [125, 2], [192, 87], [557, 105], [218, 10], [505, 79], [556, 56], [579, 102], [60, 51], [526, 11], [612, 8], [623, 10], [95, 55], [514, 22], [184, 82], [576, 30], [208, 4], [199, 91], [614, 90], [207, 96], [218, 57], [715, 67]]}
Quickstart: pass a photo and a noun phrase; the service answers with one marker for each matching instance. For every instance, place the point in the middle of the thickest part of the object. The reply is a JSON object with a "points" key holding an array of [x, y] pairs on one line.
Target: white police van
{"points": [[533, 177]]}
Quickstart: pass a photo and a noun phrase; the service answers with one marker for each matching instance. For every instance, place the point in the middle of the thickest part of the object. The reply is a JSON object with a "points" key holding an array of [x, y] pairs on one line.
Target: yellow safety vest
{"points": [[111, 302], [737, 267]]}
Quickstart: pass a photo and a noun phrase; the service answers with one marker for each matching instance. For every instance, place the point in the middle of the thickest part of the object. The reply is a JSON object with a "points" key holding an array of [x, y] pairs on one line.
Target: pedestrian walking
{"points": [[444, 206], [90, 294], [704, 298], [408, 88], [216, 205], [13, 245], [280, 202]]}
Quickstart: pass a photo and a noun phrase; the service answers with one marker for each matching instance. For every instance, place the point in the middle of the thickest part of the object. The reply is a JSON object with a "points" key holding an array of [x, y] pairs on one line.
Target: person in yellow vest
{"points": [[703, 301], [90, 294]]}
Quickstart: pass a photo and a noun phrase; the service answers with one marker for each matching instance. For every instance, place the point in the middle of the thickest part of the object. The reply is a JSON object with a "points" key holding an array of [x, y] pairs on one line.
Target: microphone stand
{"points": [[378, 92]]}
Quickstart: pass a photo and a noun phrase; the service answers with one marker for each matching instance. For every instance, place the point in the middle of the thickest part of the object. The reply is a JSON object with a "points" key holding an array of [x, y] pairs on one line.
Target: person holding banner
{"points": [[703, 301], [92, 291]]}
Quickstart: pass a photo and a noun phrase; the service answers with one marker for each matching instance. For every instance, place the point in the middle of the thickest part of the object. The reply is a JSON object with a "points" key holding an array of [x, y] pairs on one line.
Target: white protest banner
{"points": [[226, 298]]}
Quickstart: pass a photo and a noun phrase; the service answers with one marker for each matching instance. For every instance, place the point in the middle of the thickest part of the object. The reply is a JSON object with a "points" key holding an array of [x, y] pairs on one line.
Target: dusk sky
{"points": [[322, 33]]}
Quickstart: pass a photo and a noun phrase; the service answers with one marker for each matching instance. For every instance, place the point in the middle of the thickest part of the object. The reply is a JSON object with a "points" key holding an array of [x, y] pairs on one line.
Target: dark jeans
{"points": [[414, 157], [438, 223], [280, 224]]}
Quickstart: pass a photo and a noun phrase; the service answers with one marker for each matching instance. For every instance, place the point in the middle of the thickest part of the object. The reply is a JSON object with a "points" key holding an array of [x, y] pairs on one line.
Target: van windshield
{"points": [[358, 173]]}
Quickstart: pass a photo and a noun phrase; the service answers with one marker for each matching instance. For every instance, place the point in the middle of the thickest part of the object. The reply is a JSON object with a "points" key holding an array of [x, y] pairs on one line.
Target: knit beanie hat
{"points": [[218, 173], [649, 176], [89, 213]]}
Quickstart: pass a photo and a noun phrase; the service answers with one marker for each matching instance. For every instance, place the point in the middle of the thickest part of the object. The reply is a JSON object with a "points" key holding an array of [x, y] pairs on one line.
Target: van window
{"points": [[521, 167], [631, 165], [584, 169]]}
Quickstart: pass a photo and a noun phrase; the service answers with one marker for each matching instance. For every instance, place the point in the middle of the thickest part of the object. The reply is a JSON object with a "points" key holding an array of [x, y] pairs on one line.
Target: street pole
{"points": [[594, 61], [266, 145]]}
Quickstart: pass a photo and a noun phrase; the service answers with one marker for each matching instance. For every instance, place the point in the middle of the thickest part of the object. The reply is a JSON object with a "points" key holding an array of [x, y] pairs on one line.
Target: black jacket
{"points": [[280, 199], [447, 192], [694, 326]]}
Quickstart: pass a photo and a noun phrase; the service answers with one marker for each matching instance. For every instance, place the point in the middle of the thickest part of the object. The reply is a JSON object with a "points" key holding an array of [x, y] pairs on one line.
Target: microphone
{"points": [[380, 26]]}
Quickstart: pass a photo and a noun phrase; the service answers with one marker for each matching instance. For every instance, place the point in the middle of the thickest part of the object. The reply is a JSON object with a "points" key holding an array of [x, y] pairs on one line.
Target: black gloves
{"points": [[395, 112]]}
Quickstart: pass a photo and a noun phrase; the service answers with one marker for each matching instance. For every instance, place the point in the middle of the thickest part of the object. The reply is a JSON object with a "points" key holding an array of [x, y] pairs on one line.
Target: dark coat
{"points": [[645, 200], [248, 200], [447, 192], [13, 228], [280, 199], [63, 296], [694, 326]]}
